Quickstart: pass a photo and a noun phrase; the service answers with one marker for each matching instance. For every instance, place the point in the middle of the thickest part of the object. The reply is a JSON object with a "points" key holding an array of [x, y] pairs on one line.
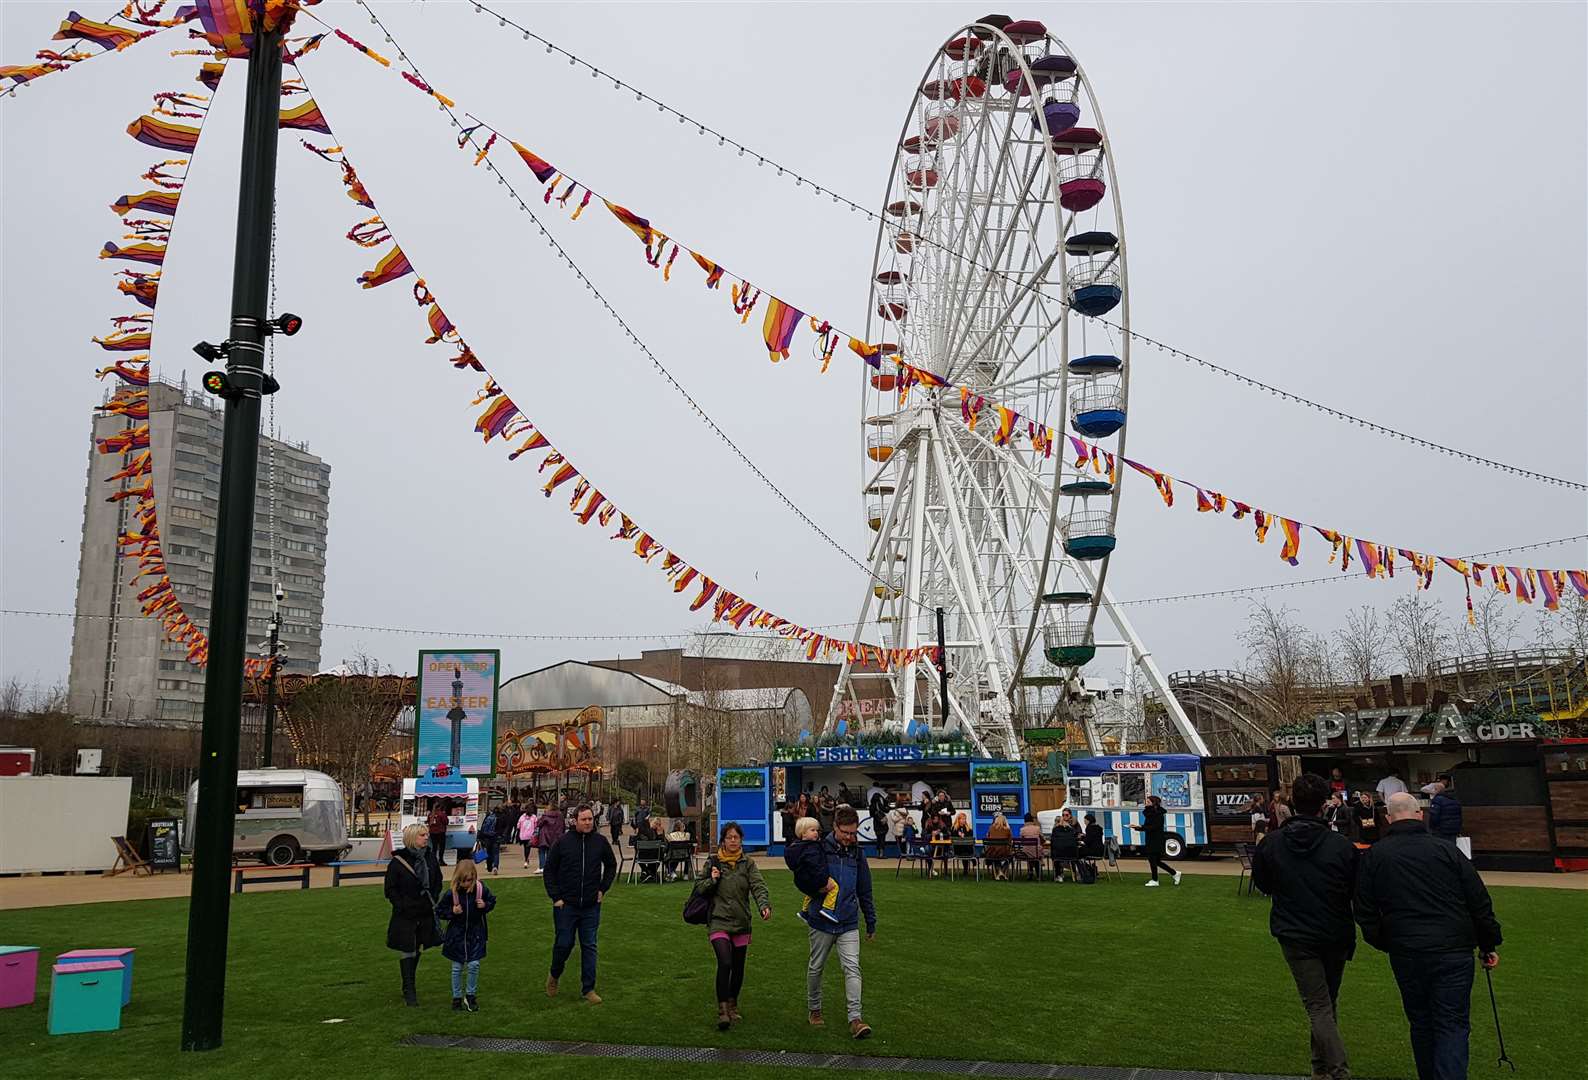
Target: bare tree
{"points": [[1420, 631], [337, 723], [1565, 629], [1364, 645], [1281, 655], [1492, 630]]}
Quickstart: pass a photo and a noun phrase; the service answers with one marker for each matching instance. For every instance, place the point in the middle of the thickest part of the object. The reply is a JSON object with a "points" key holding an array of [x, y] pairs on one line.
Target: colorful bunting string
{"points": [[1377, 559], [501, 418], [139, 538], [142, 20]]}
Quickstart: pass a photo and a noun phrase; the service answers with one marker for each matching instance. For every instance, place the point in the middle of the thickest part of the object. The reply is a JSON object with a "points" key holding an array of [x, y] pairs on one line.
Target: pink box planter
{"points": [[19, 975]]}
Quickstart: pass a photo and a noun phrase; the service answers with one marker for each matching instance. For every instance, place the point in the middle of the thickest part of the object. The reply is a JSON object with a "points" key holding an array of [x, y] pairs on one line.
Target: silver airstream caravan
{"points": [[283, 816]]}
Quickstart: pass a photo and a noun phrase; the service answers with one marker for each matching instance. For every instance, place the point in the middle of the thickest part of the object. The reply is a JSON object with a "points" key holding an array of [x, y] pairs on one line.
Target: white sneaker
{"points": [[1152, 884], [1177, 877]]}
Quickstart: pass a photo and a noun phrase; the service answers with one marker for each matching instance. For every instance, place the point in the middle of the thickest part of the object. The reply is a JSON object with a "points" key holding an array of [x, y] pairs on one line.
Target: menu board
{"points": [[163, 845]]}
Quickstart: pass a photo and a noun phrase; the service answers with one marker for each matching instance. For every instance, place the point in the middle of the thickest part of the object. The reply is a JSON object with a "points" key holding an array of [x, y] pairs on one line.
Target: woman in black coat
{"points": [[413, 886]]}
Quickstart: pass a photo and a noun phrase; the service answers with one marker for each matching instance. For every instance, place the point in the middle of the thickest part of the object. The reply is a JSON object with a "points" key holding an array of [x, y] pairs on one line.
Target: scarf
{"points": [[729, 861]]}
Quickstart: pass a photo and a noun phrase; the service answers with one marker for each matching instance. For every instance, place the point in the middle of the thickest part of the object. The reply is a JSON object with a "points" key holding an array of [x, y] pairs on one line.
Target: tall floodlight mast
{"points": [[1002, 232]]}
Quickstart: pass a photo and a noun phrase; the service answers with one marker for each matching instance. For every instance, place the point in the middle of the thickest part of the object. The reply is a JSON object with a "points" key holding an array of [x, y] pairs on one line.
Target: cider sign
{"points": [[455, 723]]}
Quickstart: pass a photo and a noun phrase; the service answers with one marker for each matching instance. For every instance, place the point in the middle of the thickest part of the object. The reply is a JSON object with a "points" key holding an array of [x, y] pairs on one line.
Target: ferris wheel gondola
{"points": [[1002, 231]]}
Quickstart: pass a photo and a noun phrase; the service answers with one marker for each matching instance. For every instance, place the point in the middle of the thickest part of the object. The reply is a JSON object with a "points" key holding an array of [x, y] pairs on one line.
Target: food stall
{"points": [[1524, 796], [753, 795]]}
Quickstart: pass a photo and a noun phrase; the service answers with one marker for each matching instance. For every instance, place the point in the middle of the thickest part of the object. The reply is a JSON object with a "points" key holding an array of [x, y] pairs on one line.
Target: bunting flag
{"points": [[537, 165], [153, 254], [304, 117], [163, 134], [393, 265], [778, 327], [150, 202], [501, 416], [106, 35], [366, 50]]}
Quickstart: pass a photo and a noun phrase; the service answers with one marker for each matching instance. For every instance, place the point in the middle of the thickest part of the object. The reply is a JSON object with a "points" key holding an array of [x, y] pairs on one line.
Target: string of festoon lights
{"points": [[804, 182], [483, 635]]}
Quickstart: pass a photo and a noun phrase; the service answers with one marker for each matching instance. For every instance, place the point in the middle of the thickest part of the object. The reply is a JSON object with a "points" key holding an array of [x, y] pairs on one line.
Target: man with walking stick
{"points": [[1419, 899]]}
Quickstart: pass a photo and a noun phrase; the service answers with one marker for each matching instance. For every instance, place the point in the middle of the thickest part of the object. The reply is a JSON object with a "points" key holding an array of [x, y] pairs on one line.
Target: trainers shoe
{"points": [[1152, 884], [1177, 877], [859, 1029], [457, 1004], [592, 997], [551, 986], [816, 1018], [471, 1002]]}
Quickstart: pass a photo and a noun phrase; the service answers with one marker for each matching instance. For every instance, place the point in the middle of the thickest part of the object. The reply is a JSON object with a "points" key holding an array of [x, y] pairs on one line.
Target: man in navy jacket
{"points": [[846, 865], [579, 871]]}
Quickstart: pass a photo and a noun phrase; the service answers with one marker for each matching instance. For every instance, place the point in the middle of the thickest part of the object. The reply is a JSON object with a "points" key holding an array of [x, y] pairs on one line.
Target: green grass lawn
{"points": [[1112, 974]]}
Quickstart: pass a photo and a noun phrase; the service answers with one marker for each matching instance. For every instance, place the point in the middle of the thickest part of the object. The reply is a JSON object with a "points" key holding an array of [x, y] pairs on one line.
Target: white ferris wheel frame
{"points": [[948, 495]]}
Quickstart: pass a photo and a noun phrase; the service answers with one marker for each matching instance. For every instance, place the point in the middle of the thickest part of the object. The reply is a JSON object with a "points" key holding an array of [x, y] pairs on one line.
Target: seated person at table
{"points": [[676, 857], [1092, 841], [934, 831], [1066, 845], [962, 831], [998, 852], [807, 857], [1031, 847]]}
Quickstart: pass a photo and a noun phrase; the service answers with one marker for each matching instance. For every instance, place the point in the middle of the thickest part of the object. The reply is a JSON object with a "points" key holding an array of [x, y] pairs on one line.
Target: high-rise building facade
{"points": [[122, 668]]}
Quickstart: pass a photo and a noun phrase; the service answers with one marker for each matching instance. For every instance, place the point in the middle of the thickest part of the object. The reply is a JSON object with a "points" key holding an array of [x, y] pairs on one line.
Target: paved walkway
{"points": [[56, 890], [701, 1055]]}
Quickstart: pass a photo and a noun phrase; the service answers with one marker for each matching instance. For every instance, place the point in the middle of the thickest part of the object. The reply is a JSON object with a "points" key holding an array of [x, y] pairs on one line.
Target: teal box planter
{"points": [[19, 975], [98, 956], [86, 997]]}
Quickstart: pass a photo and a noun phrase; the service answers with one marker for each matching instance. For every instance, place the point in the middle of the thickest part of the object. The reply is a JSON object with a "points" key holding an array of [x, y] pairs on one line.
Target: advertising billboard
{"points": [[456, 714]]}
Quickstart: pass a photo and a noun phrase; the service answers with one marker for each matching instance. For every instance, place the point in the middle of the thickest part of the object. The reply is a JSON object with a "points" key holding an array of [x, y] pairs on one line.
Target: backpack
{"points": [[1086, 872], [488, 826]]}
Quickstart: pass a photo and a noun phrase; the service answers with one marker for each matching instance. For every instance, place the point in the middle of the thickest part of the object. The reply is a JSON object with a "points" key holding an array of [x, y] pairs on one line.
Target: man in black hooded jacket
{"points": [[1310, 871]]}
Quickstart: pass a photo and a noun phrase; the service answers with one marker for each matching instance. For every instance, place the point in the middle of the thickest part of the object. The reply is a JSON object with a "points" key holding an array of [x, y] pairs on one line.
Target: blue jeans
{"points": [[457, 977], [568, 921], [493, 852], [1436, 992]]}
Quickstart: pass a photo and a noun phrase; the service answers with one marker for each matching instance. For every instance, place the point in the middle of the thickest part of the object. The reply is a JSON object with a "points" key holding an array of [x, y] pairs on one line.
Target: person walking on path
{"points": [[1419, 899], [549, 828], [1310, 872], [733, 882], [579, 871], [490, 841], [1152, 819], [463, 908], [1444, 811], [437, 823], [413, 882], [615, 822], [526, 832], [846, 865]]}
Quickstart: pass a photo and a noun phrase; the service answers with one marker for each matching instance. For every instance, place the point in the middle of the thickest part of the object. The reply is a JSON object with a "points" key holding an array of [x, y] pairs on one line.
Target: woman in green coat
{"points": [[733, 882]]}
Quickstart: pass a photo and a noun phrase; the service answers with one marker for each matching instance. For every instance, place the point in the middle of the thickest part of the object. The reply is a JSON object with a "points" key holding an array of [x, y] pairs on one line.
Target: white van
{"points": [[283, 816]]}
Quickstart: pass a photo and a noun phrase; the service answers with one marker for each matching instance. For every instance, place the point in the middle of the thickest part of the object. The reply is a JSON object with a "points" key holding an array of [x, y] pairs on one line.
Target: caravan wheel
{"points": [[1173, 846], [282, 851]]}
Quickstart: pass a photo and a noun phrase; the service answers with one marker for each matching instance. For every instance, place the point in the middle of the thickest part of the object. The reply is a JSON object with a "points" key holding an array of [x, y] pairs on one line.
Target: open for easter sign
{"points": [[456, 722]]}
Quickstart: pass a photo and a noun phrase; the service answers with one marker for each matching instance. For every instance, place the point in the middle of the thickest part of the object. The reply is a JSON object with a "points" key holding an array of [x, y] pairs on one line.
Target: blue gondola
{"points": [[1091, 243], [1098, 423], [1086, 488], [1095, 364], [1095, 299], [1088, 548]]}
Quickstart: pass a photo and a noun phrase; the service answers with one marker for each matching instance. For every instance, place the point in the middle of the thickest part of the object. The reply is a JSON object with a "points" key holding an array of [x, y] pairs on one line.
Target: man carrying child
{"points": [[836, 881]]}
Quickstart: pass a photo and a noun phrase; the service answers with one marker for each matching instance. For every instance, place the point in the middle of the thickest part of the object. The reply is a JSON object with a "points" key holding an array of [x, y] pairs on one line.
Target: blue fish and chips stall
{"points": [[753, 795]]}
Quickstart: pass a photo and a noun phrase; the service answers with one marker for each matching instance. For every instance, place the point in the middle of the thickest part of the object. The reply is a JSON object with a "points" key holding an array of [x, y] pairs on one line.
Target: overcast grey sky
{"points": [[1378, 206]]}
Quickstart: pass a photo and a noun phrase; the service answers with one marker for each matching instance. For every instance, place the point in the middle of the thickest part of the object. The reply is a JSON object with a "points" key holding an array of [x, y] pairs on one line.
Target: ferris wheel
{"points": [[1002, 231]]}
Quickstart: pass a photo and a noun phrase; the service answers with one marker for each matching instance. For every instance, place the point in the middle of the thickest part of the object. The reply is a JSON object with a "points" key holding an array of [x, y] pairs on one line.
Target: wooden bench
{"points": [[338, 872], [255, 875]]}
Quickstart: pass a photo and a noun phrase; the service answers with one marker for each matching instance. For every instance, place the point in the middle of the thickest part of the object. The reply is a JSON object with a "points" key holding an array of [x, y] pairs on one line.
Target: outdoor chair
{"points": [[1243, 852], [1028, 851], [1110, 863], [915, 852], [680, 859], [647, 862], [998, 863], [963, 855]]}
